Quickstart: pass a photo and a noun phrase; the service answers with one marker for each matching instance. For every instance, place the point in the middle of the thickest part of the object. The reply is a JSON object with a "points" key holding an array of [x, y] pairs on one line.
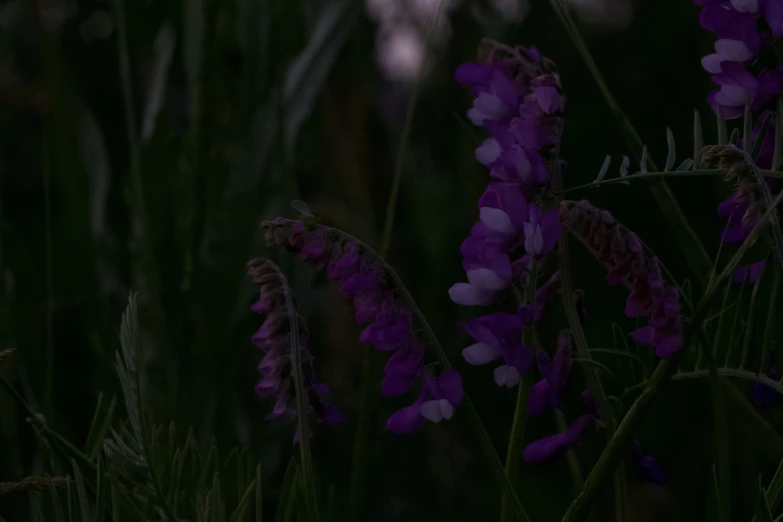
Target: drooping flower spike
{"points": [[274, 339], [363, 278], [621, 252]]}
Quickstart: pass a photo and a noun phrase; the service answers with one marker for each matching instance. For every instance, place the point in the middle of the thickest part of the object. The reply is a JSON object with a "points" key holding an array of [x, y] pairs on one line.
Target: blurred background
{"points": [[143, 141]]}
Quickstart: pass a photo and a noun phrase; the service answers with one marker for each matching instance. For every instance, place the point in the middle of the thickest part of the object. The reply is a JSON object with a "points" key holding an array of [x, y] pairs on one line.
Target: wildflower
{"points": [[499, 336], [743, 209], [274, 340], [547, 393], [543, 449], [438, 399], [649, 468], [764, 395], [739, 44], [389, 321], [622, 253]]}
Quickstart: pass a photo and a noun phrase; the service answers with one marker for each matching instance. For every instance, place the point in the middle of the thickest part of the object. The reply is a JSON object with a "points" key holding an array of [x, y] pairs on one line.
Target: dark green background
{"points": [[209, 177]]}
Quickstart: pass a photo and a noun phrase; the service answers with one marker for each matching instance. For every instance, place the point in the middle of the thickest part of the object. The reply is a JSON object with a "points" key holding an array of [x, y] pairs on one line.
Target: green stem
{"points": [[475, 420], [695, 253], [308, 474], [666, 369], [591, 375], [637, 176], [370, 364], [721, 434], [517, 437]]}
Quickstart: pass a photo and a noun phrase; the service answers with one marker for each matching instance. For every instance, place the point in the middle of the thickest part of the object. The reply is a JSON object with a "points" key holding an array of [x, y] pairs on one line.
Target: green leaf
{"points": [[698, 139], [84, 504], [241, 511], [775, 490], [763, 513], [308, 73], [59, 512], [287, 492], [604, 168], [101, 423], [671, 154], [259, 493], [722, 132], [713, 496], [777, 156]]}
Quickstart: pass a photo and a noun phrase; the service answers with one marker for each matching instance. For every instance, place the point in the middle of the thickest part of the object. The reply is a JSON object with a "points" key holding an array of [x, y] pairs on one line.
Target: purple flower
{"points": [[403, 368], [497, 103], [547, 393], [555, 371], [497, 336], [274, 340], [503, 212], [650, 469], [773, 14], [363, 278], [749, 273], [764, 395], [543, 449], [665, 331], [388, 331], [438, 399], [489, 272], [542, 232]]}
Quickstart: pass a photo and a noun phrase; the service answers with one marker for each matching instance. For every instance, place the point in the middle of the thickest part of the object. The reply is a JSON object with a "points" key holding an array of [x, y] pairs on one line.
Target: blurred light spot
{"points": [[400, 54], [512, 10], [611, 13]]}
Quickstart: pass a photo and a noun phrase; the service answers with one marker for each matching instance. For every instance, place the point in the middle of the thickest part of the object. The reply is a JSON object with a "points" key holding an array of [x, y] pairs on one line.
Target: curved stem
{"points": [[367, 397], [666, 369], [637, 176], [308, 475], [475, 420], [698, 259], [517, 436]]}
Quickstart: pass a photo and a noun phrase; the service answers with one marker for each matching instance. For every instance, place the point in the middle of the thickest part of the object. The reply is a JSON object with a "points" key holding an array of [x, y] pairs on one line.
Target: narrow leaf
{"points": [[643, 161], [698, 139], [308, 73], [101, 423], [763, 513], [604, 169], [671, 155]]}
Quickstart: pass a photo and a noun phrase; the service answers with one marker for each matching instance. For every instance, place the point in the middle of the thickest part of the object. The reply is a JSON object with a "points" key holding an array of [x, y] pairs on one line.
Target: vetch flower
{"points": [[547, 393], [499, 336], [764, 395], [543, 449], [649, 468], [363, 278], [438, 400], [274, 340]]}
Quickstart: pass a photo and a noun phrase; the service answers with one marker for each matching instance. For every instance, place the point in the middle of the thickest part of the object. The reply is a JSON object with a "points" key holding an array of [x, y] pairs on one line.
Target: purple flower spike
{"points": [[542, 449], [274, 339]]}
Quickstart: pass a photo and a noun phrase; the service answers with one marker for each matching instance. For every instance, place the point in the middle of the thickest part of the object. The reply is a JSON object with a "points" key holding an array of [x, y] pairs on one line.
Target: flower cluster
{"points": [[547, 394], [622, 253], [739, 45], [273, 338], [744, 207], [519, 101], [363, 278]]}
